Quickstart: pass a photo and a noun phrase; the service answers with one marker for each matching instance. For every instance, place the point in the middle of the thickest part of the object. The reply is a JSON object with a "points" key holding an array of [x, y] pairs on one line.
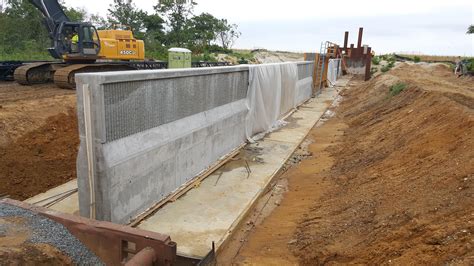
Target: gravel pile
{"points": [[47, 231]]}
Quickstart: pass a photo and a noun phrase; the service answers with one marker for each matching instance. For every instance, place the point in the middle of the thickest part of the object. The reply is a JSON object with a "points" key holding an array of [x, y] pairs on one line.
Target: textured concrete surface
{"points": [[152, 131], [211, 211]]}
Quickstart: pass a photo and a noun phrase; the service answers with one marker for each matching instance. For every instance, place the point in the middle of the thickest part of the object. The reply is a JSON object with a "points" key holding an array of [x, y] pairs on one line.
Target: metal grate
{"points": [[135, 106]]}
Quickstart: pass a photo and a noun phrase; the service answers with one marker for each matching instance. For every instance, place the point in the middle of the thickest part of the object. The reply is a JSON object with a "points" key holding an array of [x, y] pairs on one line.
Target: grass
{"points": [[207, 57], [391, 62], [397, 88], [25, 56], [242, 54], [388, 57], [434, 58]]}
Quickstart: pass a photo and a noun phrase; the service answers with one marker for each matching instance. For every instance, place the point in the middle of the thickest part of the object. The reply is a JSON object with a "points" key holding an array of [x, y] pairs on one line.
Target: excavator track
{"points": [[36, 73], [65, 77]]}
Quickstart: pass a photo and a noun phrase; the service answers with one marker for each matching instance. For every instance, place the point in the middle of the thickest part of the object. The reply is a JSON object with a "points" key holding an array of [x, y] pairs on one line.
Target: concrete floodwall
{"points": [[145, 133]]}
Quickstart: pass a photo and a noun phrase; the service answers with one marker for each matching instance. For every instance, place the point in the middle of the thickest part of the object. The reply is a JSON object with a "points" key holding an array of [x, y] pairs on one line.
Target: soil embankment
{"points": [[38, 138], [390, 180]]}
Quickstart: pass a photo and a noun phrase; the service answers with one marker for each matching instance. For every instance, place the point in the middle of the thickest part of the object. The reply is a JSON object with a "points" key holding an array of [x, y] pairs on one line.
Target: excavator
{"points": [[82, 48]]}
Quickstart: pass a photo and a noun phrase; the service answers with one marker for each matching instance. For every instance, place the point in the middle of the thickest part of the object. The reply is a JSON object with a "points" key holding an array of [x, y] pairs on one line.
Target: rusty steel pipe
{"points": [[346, 40], [145, 257], [359, 40]]}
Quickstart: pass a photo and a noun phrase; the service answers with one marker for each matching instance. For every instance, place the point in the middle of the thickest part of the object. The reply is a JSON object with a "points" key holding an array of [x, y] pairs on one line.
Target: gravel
{"points": [[45, 230]]}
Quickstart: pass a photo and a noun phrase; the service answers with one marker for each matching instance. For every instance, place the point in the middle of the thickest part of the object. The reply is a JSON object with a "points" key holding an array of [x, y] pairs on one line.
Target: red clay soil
{"points": [[40, 159], [390, 180]]}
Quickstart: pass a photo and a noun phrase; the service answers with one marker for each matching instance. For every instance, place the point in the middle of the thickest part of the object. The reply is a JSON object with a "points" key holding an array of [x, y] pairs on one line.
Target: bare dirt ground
{"points": [[16, 250], [262, 57], [389, 181], [38, 138], [277, 57]]}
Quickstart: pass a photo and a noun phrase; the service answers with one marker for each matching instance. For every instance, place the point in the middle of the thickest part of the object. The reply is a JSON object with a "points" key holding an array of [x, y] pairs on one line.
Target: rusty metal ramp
{"points": [[59, 238]]}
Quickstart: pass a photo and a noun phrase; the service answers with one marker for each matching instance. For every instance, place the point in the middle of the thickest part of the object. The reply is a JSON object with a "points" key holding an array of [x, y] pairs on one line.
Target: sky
{"points": [[435, 27]]}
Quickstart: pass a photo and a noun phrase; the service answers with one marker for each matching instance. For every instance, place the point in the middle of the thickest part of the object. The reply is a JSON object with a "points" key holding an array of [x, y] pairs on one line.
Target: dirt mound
{"points": [[26, 108], [263, 57], [401, 186], [40, 159]]}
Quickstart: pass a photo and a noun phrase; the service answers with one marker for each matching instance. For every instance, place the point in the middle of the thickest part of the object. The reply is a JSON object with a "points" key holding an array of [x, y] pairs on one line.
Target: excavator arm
{"points": [[54, 16], [54, 19], [51, 10]]}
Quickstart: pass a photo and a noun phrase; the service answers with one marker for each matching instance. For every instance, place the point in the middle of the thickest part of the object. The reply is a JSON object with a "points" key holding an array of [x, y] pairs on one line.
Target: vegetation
{"points": [[470, 65], [376, 60], [397, 88], [206, 56], [470, 30], [373, 70], [385, 68], [172, 24], [416, 59], [243, 54], [391, 59]]}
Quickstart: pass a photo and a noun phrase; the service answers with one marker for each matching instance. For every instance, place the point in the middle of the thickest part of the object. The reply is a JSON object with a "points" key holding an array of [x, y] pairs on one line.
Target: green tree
{"points": [[75, 14], [154, 26], [124, 12], [154, 37], [99, 22], [22, 30], [176, 14], [470, 30], [203, 30], [227, 34]]}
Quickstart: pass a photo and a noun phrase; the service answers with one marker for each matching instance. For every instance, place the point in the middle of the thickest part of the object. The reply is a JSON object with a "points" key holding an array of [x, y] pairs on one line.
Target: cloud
{"points": [[431, 27], [440, 32]]}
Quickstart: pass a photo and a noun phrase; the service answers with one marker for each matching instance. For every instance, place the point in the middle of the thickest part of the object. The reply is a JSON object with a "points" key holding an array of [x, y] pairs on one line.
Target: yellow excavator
{"points": [[81, 49]]}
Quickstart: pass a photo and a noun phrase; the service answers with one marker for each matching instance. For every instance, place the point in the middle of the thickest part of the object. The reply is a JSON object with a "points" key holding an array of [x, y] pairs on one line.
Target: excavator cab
{"points": [[61, 31], [76, 41]]}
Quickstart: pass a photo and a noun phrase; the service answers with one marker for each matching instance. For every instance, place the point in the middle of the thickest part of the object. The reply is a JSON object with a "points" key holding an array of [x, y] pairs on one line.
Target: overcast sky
{"points": [[428, 26]]}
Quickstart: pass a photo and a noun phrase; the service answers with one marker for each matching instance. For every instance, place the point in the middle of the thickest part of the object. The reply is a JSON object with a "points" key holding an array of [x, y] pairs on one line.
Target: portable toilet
{"points": [[179, 58]]}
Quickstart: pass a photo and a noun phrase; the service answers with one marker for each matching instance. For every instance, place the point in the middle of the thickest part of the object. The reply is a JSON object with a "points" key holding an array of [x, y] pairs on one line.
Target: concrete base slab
{"points": [[211, 211], [61, 198]]}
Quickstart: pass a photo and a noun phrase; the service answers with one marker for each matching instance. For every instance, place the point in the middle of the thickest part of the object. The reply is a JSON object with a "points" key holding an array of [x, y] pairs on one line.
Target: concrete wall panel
{"points": [[152, 131]]}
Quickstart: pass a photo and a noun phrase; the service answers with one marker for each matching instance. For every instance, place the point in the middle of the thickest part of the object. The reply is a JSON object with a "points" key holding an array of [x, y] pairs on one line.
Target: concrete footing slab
{"points": [[210, 212], [63, 198]]}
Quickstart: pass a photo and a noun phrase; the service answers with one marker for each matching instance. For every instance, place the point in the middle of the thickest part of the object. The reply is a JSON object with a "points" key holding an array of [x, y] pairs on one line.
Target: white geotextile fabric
{"points": [[334, 70], [304, 90], [271, 94]]}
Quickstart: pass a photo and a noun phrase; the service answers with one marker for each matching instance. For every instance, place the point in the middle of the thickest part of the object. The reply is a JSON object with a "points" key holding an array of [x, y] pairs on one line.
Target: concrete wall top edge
{"points": [[132, 75], [141, 75], [304, 62]]}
